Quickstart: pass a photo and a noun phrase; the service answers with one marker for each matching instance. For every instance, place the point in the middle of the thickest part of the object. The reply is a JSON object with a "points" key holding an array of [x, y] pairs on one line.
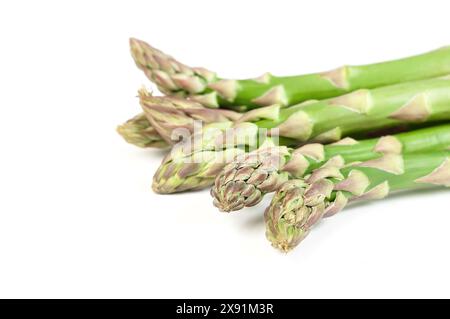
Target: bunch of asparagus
{"points": [[318, 141]]}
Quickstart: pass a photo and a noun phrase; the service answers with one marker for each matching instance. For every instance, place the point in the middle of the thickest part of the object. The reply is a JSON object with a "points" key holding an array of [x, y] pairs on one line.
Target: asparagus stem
{"points": [[175, 78], [166, 116], [138, 131], [248, 179], [301, 203]]}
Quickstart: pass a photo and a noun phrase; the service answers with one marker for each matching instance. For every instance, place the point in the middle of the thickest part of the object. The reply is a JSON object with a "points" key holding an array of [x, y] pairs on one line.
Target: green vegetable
{"points": [[138, 131], [204, 86]]}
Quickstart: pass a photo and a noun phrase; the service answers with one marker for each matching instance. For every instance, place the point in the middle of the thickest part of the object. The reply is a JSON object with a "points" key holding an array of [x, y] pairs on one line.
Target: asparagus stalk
{"points": [[301, 203], [138, 131], [171, 115], [245, 181], [175, 78]]}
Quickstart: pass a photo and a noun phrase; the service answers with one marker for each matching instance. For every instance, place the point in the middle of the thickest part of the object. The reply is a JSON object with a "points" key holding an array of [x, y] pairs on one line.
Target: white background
{"points": [[77, 215]]}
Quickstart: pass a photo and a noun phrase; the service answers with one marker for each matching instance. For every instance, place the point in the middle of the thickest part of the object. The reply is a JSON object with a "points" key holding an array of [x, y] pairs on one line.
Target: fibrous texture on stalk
{"points": [[300, 203], [138, 131], [261, 171], [172, 116], [175, 78]]}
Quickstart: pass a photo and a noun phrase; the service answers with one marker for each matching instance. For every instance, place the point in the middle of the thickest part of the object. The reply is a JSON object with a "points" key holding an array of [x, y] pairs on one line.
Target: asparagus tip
{"points": [[283, 246], [130, 137], [139, 132]]}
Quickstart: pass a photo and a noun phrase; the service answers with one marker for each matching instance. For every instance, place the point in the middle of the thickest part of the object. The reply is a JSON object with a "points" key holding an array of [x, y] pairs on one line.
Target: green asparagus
{"points": [[353, 114], [301, 203], [358, 112], [167, 116], [171, 116], [244, 182], [204, 86], [138, 131]]}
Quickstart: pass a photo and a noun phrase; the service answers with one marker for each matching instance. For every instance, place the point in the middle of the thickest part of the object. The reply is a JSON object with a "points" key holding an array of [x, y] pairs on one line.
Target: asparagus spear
{"points": [[245, 181], [164, 115], [360, 111], [194, 163], [138, 131], [167, 114], [173, 77], [301, 203]]}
